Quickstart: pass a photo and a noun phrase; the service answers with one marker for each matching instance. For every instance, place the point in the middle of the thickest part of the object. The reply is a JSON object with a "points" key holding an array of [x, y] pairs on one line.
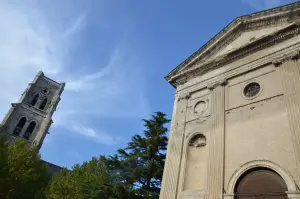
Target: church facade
{"points": [[235, 130]]}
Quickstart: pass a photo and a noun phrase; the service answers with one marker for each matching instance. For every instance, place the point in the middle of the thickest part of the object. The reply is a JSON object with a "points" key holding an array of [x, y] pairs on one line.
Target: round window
{"points": [[252, 89]]}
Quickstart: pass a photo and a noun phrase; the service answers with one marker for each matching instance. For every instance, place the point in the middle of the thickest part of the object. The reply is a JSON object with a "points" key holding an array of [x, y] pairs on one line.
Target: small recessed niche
{"points": [[198, 140]]}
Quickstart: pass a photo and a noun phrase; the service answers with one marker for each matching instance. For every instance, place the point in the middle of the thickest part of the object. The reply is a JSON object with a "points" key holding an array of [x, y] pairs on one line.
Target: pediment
{"points": [[246, 38], [243, 31]]}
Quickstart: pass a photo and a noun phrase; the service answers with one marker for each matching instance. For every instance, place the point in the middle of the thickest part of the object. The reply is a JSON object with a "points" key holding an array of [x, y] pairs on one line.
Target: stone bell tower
{"points": [[30, 117]]}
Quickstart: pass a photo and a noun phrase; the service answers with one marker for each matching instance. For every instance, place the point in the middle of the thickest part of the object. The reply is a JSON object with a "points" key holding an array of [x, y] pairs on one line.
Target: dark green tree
{"points": [[140, 165], [22, 174], [133, 173], [91, 180]]}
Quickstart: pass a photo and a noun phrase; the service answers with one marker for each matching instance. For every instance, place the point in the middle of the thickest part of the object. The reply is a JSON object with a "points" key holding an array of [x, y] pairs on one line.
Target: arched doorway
{"points": [[260, 183]]}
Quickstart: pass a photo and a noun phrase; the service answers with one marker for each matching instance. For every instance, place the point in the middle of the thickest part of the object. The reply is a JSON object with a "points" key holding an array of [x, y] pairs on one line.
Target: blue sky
{"points": [[113, 56]]}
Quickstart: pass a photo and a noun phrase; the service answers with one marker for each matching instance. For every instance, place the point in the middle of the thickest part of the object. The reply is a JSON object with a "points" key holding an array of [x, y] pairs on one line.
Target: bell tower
{"points": [[31, 117]]}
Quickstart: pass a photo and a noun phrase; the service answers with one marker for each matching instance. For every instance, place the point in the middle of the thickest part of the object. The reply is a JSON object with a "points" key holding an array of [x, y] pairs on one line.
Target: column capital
{"points": [[183, 96], [277, 62], [213, 85], [292, 56]]}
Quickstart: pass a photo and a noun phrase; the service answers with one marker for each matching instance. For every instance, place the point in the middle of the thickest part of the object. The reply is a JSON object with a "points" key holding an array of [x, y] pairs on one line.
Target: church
{"points": [[235, 130], [31, 117]]}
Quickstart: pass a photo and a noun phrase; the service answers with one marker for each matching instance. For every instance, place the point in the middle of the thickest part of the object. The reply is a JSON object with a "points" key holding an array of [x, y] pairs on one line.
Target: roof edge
{"points": [[231, 26]]}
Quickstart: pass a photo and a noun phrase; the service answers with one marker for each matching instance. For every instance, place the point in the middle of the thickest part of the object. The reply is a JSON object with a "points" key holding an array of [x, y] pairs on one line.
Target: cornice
{"points": [[275, 57], [280, 15], [200, 69], [33, 109], [292, 56]]}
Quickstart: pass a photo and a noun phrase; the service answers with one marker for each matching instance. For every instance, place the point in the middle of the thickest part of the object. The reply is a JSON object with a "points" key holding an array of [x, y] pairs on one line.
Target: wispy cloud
{"points": [[262, 4], [99, 137], [76, 26], [30, 41]]}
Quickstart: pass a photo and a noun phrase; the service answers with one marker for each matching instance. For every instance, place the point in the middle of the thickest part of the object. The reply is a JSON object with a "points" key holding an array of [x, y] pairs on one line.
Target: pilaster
{"points": [[174, 153], [290, 76], [214, 188]]}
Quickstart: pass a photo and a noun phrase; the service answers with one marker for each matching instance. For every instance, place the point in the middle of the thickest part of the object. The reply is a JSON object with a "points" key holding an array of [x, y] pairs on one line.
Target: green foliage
{"points": [[91, 180], [140, 165], [134, 173], [22, 175]]}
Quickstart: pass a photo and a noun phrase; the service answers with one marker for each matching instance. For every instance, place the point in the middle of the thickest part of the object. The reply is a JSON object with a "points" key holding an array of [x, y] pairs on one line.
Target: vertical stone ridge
{"points": [[290, 76], [174, 152], [214, 188]]}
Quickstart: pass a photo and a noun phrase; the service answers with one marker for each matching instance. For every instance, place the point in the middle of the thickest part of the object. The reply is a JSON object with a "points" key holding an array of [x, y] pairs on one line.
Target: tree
{"points": [[22, 174], [133, 173], [91, 180], [140, 165]]}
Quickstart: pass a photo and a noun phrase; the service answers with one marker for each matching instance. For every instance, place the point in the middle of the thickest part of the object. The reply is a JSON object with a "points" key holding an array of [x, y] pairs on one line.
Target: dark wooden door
{"points": [[260, 184]]}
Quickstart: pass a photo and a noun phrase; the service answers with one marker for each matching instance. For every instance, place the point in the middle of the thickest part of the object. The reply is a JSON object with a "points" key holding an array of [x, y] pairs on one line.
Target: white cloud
{"points": [[262, 4], [30, 41], [99, 137]]}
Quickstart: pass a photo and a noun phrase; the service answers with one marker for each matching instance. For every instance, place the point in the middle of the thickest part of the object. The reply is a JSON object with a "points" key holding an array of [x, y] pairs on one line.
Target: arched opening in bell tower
{"points": [[19, 126], [43, 104], [29, 130], [260, 183], [35, 99]]}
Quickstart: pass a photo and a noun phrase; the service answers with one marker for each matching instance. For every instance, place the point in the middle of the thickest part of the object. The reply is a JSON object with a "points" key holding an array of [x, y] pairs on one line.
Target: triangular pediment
{"points": [[246, 38], [243, 31]]}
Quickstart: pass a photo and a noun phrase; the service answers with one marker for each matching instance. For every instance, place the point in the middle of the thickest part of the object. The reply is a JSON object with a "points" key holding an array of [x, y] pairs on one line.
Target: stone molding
{"points": [[264, 19], [292, 56], [200, 69], [34, 109], [257, 63], [265, 164], [184, 96], [293, 194], [213, 85]]}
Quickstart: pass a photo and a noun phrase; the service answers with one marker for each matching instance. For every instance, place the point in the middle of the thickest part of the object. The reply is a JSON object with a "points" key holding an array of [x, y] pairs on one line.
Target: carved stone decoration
{"points": [[212, 85], [198, 140], [200, 107], [185, 96], [277, 63]]}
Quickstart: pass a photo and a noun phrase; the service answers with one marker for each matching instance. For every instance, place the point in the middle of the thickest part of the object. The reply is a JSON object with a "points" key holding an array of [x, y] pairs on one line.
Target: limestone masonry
{"points": [[235, 129], [31, 117]]}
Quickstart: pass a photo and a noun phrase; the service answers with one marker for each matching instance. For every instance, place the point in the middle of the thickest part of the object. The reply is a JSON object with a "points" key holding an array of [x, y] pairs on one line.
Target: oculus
{"points": [[252, 90]]}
